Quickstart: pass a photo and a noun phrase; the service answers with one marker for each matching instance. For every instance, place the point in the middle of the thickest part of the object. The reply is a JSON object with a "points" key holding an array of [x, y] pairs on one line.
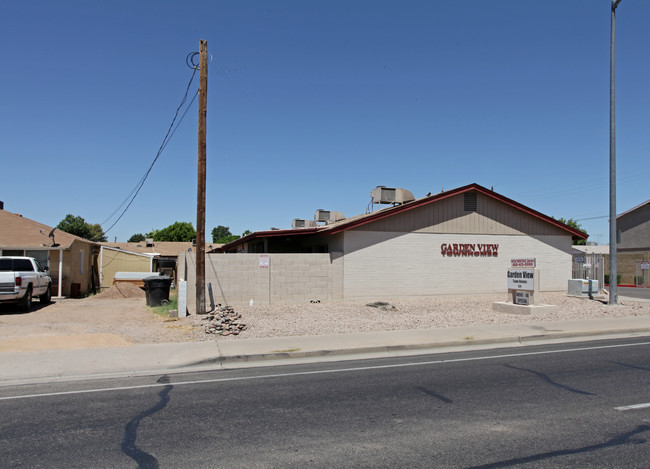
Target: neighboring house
{"points": [[145, 256], [633, 228], [112, 260], [633, 246], [456, 242], [70, 259]]}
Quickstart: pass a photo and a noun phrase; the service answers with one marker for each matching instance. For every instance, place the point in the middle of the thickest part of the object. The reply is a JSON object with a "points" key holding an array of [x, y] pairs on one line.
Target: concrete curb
{"points": [[422, 348], [151, 359]]}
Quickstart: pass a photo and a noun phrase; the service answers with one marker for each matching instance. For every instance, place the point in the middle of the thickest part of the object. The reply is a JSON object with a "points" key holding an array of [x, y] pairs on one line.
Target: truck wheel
{"points": [[47, 296], [26, 302]]}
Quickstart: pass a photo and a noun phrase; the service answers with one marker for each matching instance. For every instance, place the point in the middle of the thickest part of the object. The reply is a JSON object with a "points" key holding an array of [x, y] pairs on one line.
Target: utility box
{"points": [[580, 287]]}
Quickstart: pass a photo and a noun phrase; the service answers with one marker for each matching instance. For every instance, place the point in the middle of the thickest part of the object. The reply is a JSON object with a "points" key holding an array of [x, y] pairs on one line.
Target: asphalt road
{"points": [[563, 405], [633, 292]]}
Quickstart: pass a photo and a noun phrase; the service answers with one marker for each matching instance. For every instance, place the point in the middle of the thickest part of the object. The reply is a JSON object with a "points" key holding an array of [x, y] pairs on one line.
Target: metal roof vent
{"points": [[328, 216], [148, 242], [297, 224], [470, 203]]}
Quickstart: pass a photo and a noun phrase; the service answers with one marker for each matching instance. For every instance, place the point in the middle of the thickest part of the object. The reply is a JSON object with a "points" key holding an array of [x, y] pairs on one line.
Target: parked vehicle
{"points": [[21, 279]]}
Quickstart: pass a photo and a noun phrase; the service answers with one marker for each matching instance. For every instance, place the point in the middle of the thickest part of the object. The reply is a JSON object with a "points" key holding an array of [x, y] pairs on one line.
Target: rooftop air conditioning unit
{"points": [[390, 195], [298, 223], [328, 216], [148, 242]]}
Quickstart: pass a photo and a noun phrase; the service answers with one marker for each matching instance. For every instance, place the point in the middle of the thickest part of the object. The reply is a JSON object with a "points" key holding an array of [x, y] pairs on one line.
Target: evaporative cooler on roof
{"points": [[328, 216], [391, 195], [298, 223]]}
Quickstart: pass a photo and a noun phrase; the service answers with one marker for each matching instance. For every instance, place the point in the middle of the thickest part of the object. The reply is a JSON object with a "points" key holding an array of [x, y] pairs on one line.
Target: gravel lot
{"points": [[130, 318], [416, 313]]}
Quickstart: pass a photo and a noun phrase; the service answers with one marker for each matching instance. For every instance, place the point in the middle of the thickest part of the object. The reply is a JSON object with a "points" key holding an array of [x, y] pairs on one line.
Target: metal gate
{"points": [[642, 277], [589, 266]]}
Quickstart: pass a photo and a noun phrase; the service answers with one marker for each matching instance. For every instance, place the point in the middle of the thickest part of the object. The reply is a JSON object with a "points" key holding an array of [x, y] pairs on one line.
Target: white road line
{"points": [[318, 372], [633, 407]]}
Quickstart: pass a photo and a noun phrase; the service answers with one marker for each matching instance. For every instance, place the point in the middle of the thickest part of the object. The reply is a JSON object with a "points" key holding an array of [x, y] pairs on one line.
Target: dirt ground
{"points": [[122, 312]]}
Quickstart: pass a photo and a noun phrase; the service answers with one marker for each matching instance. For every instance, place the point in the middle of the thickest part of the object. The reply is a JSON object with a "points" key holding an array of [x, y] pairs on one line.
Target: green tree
{"points": [[220, 232], [574, 224], [77, 226], [179, 231], [136, 238], [222, 235], [97, 233]]}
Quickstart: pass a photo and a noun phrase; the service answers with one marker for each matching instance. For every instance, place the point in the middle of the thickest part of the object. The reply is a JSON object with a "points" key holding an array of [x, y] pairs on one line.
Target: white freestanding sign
{"points": [[521, 279]]}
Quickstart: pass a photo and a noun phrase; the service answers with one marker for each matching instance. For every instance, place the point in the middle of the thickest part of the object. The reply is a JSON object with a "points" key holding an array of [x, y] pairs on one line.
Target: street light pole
{"points": [[613, 268]]}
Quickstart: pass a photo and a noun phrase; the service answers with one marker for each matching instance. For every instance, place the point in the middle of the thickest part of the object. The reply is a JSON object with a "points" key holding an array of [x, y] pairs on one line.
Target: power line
{"points": [[164, 143]]}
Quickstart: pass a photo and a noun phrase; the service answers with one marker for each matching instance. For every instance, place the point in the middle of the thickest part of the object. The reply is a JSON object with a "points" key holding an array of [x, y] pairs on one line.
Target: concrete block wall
{"points": [[383, 265], [238, 278]]}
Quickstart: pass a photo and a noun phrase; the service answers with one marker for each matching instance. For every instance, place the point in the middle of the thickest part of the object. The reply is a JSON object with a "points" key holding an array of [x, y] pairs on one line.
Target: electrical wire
{"points": [[164, 143]]}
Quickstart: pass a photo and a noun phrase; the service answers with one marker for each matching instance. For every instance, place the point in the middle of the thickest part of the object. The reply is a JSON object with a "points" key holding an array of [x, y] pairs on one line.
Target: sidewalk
{"points": [[119, 359]]}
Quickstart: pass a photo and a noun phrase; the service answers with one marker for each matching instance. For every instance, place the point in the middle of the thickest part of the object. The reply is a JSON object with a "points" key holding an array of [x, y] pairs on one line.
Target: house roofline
{"points": [[633, 209], [144, 254], [444, 195], [345, 225]]}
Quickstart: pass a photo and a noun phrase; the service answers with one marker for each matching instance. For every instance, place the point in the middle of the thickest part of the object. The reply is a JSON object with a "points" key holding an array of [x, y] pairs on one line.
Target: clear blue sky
{"points": [[311, 104]]}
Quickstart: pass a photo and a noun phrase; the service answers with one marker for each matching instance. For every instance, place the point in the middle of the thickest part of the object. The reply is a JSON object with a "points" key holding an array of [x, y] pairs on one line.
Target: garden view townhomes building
{"points": [[459, 241]]}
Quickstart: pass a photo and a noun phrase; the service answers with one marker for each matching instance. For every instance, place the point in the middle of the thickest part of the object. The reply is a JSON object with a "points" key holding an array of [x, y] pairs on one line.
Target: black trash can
{"points": [[157, 290]]}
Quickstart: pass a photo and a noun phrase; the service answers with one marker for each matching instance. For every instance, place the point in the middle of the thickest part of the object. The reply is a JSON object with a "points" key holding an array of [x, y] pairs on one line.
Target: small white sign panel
{"points": [[264, 261], [523, 263], [521, 280], [522, 298]]}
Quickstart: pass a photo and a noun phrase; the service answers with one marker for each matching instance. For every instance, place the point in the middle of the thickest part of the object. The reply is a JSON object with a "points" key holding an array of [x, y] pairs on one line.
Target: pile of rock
{"points": [[224, 320]]}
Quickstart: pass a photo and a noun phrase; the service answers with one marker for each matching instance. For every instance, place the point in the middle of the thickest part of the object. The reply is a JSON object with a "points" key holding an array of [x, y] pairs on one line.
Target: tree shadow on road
{"points": [[144, 460], [628, 438]]}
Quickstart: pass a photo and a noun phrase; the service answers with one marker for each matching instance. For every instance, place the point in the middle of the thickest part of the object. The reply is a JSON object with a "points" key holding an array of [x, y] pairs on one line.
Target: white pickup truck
{"points": [[22, 278]]}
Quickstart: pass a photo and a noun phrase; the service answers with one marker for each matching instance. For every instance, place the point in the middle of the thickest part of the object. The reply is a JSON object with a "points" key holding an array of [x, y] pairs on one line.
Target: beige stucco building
{"points": [[143, 256], [70, 259], [456, 242]]}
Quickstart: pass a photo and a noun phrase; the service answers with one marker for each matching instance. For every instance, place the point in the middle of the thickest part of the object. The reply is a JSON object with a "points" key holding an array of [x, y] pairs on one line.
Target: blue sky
{"points": [[312, 104]]}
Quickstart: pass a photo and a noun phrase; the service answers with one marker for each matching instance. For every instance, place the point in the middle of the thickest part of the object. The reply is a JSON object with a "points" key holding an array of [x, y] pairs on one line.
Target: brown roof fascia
{"points": [[267, 234]]}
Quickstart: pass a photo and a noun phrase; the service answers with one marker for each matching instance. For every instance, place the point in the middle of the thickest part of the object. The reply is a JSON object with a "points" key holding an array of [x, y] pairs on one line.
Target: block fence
{"points": [[237, 279]]}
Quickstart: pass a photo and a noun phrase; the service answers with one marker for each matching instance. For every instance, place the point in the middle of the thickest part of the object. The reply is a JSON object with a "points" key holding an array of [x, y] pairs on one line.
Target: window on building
{"points": [[13, 252], [40, 256]]}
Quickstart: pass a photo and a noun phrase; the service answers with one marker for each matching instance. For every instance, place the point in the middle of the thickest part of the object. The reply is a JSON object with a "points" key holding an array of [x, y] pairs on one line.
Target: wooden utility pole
{"points": [[200, 193]]}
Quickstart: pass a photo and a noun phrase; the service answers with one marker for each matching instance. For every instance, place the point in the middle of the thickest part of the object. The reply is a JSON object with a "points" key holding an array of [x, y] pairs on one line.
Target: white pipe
{"points": [[101, 267], [60, 273]]}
